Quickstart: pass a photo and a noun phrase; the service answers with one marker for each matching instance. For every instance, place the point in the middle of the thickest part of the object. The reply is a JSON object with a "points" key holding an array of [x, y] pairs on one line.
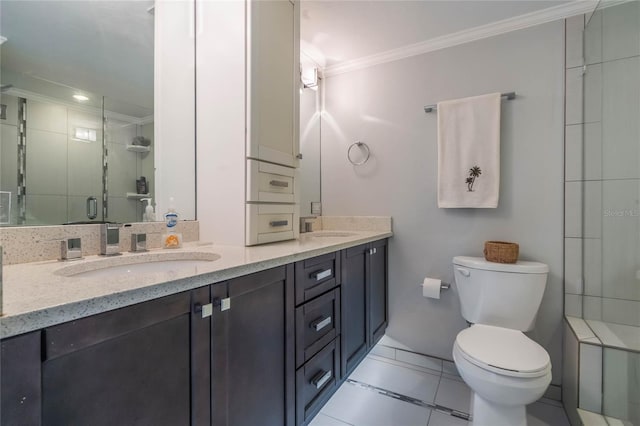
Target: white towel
{"points": [[469, 152]]}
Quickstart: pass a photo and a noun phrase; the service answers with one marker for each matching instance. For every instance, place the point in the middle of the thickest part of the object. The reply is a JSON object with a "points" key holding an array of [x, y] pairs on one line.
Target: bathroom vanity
{"points": [[264, 335]]}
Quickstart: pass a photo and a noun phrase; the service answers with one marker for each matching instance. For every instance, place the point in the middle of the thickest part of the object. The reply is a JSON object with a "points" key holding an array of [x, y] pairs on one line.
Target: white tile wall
{"points": [[573, 101], [620, 124], [46, 117], [124, 210], [84, 171], [573, 152], [593, 93], [122, 170], [574, 28], [620, 248], [46, 209], [593, 39], [592, 307], [617, 383], [592, 209], [620, 31], [570, 373], [590, 378], [573, 305], [592, 151], [592, 266], [621, 311], [573, 265], [573, 209], [47, 162]]}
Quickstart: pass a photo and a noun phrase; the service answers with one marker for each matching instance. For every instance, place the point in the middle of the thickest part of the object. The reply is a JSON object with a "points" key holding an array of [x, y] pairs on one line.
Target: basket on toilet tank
{"points": [[501, 251]]}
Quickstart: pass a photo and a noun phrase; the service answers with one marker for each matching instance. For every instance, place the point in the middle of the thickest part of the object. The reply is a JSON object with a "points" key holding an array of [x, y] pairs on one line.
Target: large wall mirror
{"points": [[79, 140]]}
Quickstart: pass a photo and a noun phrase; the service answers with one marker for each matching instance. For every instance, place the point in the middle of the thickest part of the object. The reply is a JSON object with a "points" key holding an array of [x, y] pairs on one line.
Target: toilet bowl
{"points": [[506, 371]]}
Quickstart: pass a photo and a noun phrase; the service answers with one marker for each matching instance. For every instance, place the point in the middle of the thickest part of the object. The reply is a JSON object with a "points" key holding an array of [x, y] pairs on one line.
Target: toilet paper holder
{"points": [[443, 286]]}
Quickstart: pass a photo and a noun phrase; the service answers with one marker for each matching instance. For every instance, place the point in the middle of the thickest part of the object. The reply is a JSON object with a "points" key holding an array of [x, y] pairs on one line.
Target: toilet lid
{"points": [[502, 348]]}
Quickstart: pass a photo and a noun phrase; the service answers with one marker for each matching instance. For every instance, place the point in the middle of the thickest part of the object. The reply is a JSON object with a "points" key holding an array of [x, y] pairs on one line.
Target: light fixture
{"points": [[80, 98], [85, 135], [2, 39], [309, 77]]}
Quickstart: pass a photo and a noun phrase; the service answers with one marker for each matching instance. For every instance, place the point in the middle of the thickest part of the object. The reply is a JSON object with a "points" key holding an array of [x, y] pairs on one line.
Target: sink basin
{"points": [[332, 234], [142, 263]]}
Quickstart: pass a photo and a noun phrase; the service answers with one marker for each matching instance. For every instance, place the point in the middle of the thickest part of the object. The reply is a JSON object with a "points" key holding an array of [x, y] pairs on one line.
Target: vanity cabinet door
{"points": [[21, 391], [142, 364], [364, 301], [253, 371]]}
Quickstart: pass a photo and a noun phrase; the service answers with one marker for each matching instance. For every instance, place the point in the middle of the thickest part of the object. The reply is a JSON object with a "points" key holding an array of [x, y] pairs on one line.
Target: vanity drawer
{"points": [[316, 275], [317, 324], [267, 223], [316, 381], [271, 183]]}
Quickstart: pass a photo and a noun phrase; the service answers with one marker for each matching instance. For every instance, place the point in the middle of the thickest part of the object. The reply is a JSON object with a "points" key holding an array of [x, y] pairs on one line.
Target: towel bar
{"points": [[506, 96]]}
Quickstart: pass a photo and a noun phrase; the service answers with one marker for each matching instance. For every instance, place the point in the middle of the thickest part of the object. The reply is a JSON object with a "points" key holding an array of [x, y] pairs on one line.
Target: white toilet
{"points": [[505, 369]]}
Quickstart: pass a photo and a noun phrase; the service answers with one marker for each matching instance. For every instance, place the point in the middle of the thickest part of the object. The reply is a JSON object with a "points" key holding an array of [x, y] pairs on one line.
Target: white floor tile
{"points": [[440, 419], [419, 360], [454, 395], [449, 367], [324, 420], [363, 407], [383, 351], [404, 381], [540, 414]]}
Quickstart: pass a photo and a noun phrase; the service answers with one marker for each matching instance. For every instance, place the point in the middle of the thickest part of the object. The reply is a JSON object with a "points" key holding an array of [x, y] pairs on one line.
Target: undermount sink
{"points": [[331, 234], [141, 263]]}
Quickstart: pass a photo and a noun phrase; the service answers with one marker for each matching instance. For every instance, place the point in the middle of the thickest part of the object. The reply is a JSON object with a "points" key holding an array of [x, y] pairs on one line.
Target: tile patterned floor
{"points": [[359, 402]]}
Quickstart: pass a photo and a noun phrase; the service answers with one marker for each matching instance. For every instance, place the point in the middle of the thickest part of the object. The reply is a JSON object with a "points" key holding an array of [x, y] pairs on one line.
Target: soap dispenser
{"points": [[171, 239], [149, 215]]}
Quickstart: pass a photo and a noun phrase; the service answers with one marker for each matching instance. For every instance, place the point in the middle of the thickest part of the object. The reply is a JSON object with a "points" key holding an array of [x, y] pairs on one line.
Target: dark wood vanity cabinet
{"points": [[364, 301], [135, 365], [252, 341], [21, 392], [268, 348]]}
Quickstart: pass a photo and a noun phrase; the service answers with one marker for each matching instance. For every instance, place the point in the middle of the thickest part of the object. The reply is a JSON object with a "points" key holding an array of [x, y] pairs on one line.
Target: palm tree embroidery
{"points": [[474, 172]]}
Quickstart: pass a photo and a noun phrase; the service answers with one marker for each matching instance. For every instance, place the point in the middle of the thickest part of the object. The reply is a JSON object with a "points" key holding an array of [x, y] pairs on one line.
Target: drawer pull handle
{"points": [[279, 183], [321, 378], [320, 275], [275, 223], [320, 323]]}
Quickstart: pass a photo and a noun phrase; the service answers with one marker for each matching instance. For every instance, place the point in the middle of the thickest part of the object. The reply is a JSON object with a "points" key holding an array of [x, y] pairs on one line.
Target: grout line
{"points": [[334, 418], [411, 400]]}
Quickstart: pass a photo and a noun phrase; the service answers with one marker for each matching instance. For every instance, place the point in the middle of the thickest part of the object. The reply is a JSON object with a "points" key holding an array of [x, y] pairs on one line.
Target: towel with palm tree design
{"points": [[469, 152]]}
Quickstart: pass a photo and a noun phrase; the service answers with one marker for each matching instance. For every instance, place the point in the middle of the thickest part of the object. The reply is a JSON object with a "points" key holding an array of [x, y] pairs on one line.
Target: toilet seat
{"points": [[503, 351]]}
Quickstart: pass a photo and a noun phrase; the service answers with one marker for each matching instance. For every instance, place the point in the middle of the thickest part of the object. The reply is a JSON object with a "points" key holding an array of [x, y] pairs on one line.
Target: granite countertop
{"points": [[38, 294]]}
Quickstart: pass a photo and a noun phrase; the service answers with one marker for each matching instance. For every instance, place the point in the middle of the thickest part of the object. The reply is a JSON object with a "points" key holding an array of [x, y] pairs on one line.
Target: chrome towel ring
{"points": [[363, 146]]}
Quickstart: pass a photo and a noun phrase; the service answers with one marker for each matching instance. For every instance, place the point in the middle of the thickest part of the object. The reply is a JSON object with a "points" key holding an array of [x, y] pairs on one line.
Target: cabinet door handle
{"points": [[319, 275], [205, 310], [321, 378], [275, 223], [279, 183], [320, 323]]}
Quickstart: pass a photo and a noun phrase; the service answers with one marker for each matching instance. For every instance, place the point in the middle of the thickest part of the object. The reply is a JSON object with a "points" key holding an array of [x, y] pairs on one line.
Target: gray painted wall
{"points": [[382, 106]]}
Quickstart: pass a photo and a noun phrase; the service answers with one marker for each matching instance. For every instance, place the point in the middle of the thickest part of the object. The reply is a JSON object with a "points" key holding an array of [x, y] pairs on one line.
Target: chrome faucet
{"points": [[71, 249], [110, 239], [138, 242], [305, 225]]}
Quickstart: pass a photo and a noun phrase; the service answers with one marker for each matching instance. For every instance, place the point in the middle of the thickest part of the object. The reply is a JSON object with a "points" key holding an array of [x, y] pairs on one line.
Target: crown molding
{"points": [[527, 20]]}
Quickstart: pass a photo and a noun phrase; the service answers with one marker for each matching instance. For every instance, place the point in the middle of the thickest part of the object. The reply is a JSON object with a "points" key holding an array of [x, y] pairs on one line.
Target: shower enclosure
{"points": [[602, 248]]}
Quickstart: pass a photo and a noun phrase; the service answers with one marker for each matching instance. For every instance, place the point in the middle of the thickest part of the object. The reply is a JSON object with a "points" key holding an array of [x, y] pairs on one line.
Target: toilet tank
{"points": [[499, 294]]}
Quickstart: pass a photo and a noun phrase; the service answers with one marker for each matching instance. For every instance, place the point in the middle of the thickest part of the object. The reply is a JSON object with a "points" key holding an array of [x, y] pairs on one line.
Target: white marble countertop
{"points": [[37, 295]]}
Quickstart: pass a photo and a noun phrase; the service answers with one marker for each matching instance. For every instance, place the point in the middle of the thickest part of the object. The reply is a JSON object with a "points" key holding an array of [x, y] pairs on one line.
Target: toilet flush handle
{"points": [[464, 272]]}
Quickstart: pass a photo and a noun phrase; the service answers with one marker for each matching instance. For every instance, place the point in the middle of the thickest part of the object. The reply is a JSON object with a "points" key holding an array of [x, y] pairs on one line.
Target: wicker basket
{"points": [[501, 251]]}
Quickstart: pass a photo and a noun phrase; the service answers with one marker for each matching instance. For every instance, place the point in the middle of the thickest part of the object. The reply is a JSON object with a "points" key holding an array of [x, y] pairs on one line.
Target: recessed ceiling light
{"points": [[80, 98]]}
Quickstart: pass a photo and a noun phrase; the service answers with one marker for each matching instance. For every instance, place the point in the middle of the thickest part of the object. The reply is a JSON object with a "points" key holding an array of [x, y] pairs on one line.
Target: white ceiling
{"points": [[58, 48], [333, 31]]}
